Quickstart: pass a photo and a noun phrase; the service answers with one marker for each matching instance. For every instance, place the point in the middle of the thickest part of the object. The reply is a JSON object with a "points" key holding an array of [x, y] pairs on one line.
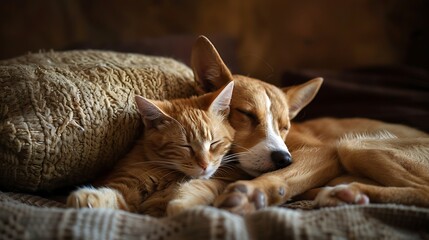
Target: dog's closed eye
{"points": [[248, 114]]}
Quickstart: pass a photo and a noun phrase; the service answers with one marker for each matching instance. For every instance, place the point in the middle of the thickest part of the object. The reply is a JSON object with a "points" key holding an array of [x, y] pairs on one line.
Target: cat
{"points": [[183, 139]]}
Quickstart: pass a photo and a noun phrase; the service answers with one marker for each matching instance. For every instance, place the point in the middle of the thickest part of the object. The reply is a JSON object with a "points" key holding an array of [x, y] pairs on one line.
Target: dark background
{"points": [[372, 54]]}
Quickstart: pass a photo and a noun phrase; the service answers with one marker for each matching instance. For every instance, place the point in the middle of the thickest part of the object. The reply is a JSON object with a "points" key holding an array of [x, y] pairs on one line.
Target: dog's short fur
{"points": [[364, 160]]}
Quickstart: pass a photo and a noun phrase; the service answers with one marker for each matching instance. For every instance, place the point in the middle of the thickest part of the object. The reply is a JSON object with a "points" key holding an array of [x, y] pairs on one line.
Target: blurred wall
{"points": [[266, 37]]}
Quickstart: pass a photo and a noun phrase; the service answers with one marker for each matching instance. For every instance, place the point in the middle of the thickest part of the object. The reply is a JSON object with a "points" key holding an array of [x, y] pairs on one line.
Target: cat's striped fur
{"points": [[182, 139]]}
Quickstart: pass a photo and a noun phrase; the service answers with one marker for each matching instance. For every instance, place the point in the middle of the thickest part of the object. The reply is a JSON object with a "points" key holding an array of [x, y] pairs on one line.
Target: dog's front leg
{"points": [[311, 168]]}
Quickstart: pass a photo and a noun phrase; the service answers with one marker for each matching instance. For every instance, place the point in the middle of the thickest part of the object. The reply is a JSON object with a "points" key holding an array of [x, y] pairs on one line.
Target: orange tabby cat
{"points": [[182, 139]]}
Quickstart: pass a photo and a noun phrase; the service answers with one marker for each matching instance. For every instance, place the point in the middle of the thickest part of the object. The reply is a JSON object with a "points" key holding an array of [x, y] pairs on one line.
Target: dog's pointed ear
{"points": [[209, 69], [299, 96], [151, 112]]}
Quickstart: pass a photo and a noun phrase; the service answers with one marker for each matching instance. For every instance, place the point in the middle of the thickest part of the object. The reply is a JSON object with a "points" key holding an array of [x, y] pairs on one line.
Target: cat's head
{"points": [[189, 135]]}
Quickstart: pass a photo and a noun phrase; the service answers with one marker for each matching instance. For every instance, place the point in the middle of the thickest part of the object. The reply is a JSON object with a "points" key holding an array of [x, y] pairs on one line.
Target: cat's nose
{"points": [[281, 159], [203, 165]]}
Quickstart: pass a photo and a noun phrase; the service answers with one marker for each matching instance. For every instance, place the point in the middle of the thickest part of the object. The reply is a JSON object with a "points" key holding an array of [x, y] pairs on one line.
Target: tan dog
{"points": [[365, 160]]}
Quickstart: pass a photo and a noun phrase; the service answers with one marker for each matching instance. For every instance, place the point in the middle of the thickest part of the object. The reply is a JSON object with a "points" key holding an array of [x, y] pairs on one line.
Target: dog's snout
{"points": [[281, 159]]}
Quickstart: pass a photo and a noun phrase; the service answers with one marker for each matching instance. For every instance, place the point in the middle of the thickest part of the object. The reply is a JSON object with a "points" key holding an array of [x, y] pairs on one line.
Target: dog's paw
{"points": [[96, 198], [340, 195], [241, 198]]}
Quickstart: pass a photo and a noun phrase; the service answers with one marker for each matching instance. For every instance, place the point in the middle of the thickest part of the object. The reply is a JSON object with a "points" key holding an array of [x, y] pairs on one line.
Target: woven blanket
{"points": [[32, 217]]}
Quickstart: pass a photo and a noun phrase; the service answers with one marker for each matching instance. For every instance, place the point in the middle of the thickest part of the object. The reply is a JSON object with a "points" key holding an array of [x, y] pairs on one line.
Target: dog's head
{"points": [[260, 112]]}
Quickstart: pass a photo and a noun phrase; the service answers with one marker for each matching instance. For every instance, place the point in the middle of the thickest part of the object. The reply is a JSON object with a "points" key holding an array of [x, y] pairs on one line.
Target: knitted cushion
{"points": [[67, 116]]}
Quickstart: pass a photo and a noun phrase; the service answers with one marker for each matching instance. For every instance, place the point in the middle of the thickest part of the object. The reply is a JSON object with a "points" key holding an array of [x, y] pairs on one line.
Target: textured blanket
{"points": [[30, 217]]}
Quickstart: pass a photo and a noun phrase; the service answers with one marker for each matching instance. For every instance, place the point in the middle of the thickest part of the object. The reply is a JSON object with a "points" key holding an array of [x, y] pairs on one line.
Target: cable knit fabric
{"points": [[31, 217], [65, 117]]}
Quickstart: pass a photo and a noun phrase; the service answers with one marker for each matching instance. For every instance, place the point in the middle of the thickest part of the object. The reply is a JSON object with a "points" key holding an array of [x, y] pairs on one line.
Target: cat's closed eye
{"points": [[188, 148], [215, 144]]}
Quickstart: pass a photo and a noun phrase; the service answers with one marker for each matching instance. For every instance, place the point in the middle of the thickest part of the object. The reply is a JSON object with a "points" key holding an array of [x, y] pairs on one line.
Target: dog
{"points": [[333, 161]]}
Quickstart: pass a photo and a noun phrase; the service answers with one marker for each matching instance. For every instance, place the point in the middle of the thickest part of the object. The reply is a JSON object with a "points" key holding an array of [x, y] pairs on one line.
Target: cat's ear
{"points": [[222, 99], [299, 96], [151, 113], [209, 69]]}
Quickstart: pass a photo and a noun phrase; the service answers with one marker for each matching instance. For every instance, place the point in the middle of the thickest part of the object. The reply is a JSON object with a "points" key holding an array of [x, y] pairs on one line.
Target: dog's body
{"points": [[365, 160]]}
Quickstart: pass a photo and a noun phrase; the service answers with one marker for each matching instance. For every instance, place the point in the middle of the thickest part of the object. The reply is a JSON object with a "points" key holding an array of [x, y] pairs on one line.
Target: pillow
{"points": [[65, 117]]}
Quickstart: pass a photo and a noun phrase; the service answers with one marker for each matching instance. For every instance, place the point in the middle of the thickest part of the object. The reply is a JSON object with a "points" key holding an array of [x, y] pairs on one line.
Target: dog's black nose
{"points": [[281, 159]]}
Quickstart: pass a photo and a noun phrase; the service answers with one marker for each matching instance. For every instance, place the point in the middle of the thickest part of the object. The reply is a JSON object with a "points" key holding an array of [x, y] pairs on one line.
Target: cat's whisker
{"points": [[235, 155], [164, 169], [239, 146], [228, 170], [171, 171], [224, 170], [247, 150], [232, 157], [228, 164]]}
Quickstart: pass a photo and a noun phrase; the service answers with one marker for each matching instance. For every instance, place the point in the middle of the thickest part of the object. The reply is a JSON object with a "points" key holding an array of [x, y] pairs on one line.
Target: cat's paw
{"points": [[96, 198], [241, 198], [176, 207], [340, 195]]}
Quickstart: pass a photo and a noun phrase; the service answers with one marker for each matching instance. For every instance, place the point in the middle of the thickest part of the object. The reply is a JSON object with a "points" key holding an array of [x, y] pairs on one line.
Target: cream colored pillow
{"points": [[65, 117]]}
